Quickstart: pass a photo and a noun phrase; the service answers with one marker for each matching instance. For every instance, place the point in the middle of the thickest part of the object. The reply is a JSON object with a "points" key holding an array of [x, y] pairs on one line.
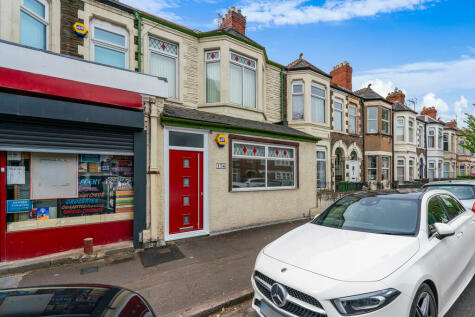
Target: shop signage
{"points": [[94, 158], [80, 29], [20, 205], [42, 213], [221, 140], [220, 166]]}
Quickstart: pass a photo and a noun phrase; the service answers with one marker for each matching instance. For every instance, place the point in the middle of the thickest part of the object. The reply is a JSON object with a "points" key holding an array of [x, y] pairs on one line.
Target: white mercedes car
{"points": [[370, 254]]}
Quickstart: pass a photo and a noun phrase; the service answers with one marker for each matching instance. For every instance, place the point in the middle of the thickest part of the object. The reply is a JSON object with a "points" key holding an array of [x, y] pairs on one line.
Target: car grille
{"points": [[290, 306]]}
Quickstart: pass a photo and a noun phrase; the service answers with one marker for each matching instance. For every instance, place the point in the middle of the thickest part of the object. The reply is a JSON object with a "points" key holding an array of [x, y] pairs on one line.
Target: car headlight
{"points": [[365, 303]]}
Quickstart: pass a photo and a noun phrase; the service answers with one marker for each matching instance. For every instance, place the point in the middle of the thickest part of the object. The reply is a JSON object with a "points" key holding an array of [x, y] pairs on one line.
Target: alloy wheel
{"points": [[425, 306]]}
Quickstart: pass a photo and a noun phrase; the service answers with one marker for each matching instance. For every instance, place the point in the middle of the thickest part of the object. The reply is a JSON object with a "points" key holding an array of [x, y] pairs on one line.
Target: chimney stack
{"points": [[452, 124], [342, 75], [234, 19], [429, 111], [397, 96]]}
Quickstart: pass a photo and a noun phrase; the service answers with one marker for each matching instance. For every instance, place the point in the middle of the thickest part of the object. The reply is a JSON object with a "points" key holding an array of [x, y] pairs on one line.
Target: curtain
{"points": [[32, 32], [318, 109], [297, 107], [164, 66], [213, 73], [109, 57], [235, 84], [249, 88]]}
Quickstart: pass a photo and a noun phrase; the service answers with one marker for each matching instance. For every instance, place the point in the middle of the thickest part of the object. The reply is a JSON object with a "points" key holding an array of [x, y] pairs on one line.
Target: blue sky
{"points": [[424, 47]]}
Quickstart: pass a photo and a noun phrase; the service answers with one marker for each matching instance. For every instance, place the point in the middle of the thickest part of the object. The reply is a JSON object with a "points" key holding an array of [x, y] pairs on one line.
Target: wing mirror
{"points": [[443, 230]]}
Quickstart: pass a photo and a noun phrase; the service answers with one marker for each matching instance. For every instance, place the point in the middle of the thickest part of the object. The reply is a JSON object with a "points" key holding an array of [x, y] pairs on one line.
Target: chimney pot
{"points": [[342, 75], [235, 20]]}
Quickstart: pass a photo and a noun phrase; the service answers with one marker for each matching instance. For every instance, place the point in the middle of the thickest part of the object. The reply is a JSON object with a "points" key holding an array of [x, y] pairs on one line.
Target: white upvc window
{"points": [[446, 170], [372, 167], [164, 63], [411, 168], [446, 141], [400, 169], [298, 108], [385, 121], [410, 127], [372, 120], [321, 167], [337, 114], [454, 170], [439, 169], [461, 148], [258, 166], [242, 81], [400, 129], [109, 44], [352, 119], [213, 76], [385, 168], [431, 170], [421, 137], [439, 138], [34, 20], [431, 138], [318, 103]]}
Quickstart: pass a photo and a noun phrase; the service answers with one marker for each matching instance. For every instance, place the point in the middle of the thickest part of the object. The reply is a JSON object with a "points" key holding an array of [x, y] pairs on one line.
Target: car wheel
{"points": [[424, 304]]}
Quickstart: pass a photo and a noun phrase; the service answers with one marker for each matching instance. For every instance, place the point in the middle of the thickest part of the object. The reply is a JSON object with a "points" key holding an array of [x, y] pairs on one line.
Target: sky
{"points": [[426, 48]]}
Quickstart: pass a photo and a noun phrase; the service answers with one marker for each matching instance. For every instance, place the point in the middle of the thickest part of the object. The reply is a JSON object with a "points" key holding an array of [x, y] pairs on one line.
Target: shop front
{"points": [[72, 161]]}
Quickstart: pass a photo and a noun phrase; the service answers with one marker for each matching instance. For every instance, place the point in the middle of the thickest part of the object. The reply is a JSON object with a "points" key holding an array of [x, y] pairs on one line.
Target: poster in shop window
{"points": [[54, 175]]}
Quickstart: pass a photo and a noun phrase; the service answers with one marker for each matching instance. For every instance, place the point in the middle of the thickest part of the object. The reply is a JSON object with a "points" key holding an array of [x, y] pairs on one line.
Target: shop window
{"points": [[213, 76], [321, 168], [109, 44], [298, 112], [47, 190], [242, 81], [372, 167], [261, 166], [385, 121], [34, 23], [385, 168], [318, 103], [352, 120], [337, 114], [164, 63], [372, 120]]}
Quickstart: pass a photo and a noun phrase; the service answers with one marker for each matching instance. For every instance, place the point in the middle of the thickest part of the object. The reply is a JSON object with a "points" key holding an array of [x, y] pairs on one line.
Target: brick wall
{"points": [[69, 16]]}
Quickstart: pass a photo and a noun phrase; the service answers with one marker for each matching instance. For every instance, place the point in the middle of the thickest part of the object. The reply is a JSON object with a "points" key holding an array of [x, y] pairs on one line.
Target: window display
{"points": [[48, 189]]}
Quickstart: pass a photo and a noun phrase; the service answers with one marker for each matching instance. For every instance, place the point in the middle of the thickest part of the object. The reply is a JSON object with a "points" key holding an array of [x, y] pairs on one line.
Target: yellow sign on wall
{"points": [[221, 140], [80, 29]]}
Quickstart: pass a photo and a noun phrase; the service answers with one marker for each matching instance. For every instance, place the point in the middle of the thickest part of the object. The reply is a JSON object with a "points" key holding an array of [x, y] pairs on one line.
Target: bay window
{"points": [[462, 170], [461, 148], [400, 128], [372, 167], [411, 169], [452, 142], [213, 77], [109, 44], [318, 103], [298, 111], [454, 170], [446, 170], [242, 81], [421, 137], [439, 139], [446, 142], [385, 168], [352, 119], [410, 125], [431, 138], [262, 166], [321, 168], [400, 170], [164, 63], [34, 23], [372, 120], [385, 121], [439, 169], [337, 114], [431, 170]]}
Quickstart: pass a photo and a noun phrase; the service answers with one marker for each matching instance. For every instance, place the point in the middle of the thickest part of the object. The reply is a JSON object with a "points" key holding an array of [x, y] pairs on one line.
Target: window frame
{"points": [[446, 172], [385, 169], [440, 139], [216, 60], [340, 101], [388, 121], [112, 28], [44, 21], [243, 65], [296, 83], [401, 126], [403, 166], [352, 117], [445, 141], [429, 136], [236, 139], [411, 168], [152, 50], [322, 87], [420, 141], [324, 150], [431, 234], [375, 168], [368, 119], [410, 130]]}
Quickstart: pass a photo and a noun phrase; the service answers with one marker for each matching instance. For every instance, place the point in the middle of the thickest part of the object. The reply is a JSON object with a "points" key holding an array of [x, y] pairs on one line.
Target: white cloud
{"points": [[282, 12], [430, 100], [448, 112], [424, 77], [157, 7], [380, 86]]}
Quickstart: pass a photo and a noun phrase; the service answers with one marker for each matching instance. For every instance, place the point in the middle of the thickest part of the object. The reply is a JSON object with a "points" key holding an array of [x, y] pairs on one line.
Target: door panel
{"points": [[3, 214], [185, 191]]}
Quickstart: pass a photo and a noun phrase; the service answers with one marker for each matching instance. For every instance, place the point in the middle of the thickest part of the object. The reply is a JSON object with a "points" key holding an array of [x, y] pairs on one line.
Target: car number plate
{"points": [[269, 311]]}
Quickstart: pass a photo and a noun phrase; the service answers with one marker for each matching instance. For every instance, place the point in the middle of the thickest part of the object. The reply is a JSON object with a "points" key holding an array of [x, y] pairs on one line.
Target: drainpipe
{"points": [[392, 144], [282, 96], [139, 40], [363, 133]]}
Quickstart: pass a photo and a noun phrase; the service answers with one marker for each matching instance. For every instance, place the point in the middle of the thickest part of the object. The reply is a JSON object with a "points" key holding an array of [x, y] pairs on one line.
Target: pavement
{"points": [[214, 271]]}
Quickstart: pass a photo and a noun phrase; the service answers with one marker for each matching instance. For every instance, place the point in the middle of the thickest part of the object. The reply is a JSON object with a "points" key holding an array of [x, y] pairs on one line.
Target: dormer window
{"points": [[213, 76], [242, 81], [318, 103], [298, 101]]}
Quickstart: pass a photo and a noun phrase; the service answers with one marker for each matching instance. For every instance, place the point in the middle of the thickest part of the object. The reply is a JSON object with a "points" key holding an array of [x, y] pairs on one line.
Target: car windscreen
{"points": [[460, 191], [377, 214]]}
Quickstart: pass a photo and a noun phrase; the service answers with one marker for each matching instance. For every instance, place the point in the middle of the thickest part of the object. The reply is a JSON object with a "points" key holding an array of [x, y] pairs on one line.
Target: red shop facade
{"points": [[72, 158]]}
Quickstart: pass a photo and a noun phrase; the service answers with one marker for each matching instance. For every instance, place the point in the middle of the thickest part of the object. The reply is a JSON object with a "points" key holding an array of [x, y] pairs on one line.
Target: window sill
{"points": [[258, 189]]}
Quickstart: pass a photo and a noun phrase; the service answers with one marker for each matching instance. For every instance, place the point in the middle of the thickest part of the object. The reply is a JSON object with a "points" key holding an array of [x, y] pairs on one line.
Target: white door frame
{"points": [[356, 163], [205, 150]]}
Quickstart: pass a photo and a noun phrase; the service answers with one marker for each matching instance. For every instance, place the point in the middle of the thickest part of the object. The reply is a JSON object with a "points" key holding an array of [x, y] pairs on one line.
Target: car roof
{"points": [[390, 194], [452, 182]]}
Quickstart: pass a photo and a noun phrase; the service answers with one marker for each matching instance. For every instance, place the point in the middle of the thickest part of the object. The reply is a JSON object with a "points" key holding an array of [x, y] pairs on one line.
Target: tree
{"points": [[469, 133]]}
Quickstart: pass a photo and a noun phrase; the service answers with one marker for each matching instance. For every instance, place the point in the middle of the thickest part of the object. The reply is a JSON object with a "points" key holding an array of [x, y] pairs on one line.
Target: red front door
{"points": [[185, 191]]}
